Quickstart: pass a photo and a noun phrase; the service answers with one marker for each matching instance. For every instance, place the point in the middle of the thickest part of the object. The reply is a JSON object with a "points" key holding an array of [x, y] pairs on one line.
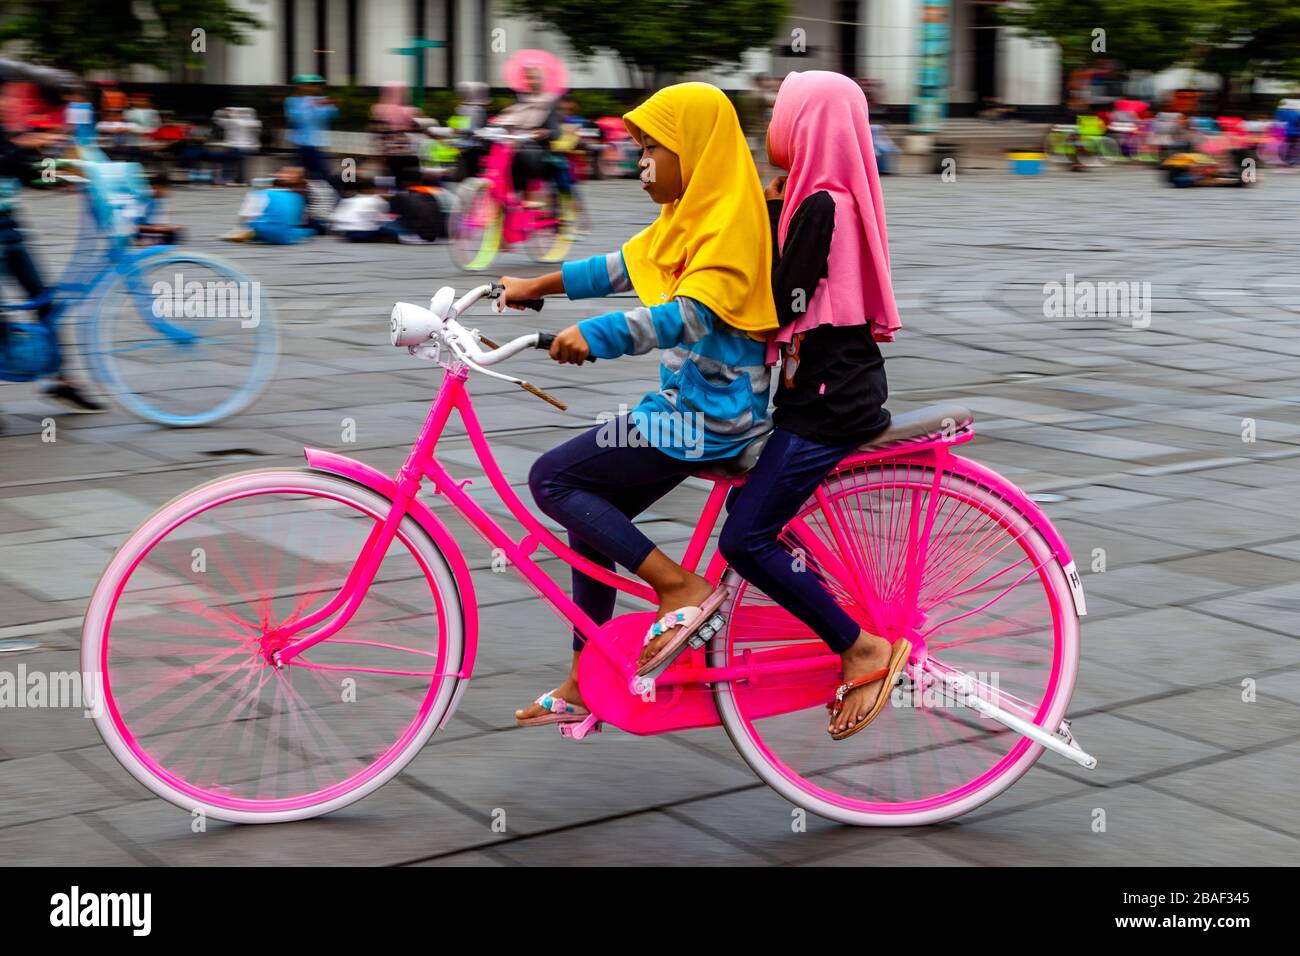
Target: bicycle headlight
{"points": [[412, 325]]}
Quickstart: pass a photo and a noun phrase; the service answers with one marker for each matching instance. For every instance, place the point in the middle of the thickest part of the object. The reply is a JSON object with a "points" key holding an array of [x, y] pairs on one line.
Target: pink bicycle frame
{"points": [[518, 221], [295, 637]]}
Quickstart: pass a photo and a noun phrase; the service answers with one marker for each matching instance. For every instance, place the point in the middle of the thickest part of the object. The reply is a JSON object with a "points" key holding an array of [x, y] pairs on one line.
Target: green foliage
{"points": [[84, 35], [1239, 39], [670, 36]]}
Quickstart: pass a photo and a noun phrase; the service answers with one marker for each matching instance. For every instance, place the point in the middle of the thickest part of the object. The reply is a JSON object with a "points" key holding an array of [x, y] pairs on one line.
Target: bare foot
{"points": [[868, 653], [568, 690], [692, 591]]}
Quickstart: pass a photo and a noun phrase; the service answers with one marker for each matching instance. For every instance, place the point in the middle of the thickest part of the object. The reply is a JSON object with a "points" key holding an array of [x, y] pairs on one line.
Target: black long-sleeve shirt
{"points": [[832, 387]]}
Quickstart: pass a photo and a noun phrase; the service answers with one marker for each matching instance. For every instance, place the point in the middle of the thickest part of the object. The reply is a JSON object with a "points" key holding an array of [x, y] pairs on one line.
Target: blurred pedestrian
{"points": [[535, 115], [392, 121], [471, 116], [310, 113], [241, 137], [20, 160]]}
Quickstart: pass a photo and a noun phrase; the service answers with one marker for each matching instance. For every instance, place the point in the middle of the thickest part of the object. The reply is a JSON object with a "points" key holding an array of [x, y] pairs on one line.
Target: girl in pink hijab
{"points": [[834, 300], [392, 120]]}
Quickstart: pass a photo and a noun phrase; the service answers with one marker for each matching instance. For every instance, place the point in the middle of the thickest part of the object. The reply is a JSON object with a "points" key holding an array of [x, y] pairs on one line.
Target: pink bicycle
{"points": [[490, 215], [279, 643]]}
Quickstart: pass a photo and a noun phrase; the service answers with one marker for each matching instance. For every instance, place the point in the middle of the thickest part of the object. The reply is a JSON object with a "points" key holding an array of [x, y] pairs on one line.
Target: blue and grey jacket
{"points": [[713, 381]]}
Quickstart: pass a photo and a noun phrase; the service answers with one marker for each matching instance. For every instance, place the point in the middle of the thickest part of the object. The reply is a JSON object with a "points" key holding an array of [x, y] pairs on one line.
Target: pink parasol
{"points": [[555, 75]]}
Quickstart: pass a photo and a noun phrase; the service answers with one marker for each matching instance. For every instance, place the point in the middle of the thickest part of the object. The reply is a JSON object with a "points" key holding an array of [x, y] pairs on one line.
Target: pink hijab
{"points": [[392, 107], [821, 134]]}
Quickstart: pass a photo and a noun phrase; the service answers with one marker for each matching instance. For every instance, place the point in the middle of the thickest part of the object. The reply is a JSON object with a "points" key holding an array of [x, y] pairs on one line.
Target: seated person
{"points": [[362, 216], [275, 215], [420, 216]]}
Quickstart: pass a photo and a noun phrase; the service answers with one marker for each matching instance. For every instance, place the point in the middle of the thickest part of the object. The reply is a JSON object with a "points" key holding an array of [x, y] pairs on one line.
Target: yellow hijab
{"points": [[714, 244]]}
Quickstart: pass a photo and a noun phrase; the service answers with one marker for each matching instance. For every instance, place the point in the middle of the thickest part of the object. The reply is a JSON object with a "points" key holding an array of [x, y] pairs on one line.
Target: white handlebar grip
{"points": [[412, 325]]}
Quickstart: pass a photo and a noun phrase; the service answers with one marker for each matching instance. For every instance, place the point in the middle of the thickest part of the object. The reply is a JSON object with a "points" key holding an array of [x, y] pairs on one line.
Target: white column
{"points": [[1028, 71], [892, 47], [258, 62]]}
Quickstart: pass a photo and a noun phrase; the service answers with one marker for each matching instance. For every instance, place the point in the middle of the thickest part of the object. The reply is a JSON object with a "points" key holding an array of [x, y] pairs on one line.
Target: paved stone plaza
{"points": [[1165, 445]]}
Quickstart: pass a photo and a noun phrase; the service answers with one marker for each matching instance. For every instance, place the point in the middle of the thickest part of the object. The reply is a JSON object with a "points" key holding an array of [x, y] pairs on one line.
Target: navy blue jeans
{"points": [[595, 492], [787, 473]]}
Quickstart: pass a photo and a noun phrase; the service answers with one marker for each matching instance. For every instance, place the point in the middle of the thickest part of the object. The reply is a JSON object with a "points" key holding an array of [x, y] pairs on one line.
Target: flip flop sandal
{"points": [[696, 627], [561, 712], [891, 674]]}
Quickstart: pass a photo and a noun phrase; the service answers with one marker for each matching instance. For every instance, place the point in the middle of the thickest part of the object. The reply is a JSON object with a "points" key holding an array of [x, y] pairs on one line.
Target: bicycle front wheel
{"points": [[183, 339], [475, 227], [179, 627], [551, 241], [981, 593]]}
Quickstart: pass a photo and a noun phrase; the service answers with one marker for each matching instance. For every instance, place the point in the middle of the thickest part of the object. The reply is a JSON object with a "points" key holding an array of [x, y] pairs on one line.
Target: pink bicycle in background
{"points": [[279, 643], [490, 216]]}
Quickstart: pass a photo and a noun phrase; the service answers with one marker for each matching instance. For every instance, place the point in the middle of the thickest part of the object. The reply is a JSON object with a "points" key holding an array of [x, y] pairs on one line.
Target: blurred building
{"points": [[351, 42]]}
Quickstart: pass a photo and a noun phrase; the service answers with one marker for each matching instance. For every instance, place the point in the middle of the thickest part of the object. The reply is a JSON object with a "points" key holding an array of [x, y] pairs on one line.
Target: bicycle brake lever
{"points": [[499, 304]]}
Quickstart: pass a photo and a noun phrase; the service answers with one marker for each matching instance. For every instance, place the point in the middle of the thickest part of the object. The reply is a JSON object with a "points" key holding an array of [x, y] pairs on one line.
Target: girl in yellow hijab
{"points": [[702, 271]]}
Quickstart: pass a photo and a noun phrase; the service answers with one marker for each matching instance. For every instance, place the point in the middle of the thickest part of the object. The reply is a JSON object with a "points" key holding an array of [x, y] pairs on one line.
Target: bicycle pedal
{"points": [[706, 633], [576, 731]]}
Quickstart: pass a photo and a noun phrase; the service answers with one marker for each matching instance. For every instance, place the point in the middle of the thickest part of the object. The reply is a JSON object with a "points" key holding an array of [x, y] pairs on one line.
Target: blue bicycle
{"points": [[176, 337]]}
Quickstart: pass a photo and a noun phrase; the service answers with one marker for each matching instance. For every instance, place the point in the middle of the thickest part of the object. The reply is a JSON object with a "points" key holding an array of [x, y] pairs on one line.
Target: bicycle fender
{"points": [[376, 480]]}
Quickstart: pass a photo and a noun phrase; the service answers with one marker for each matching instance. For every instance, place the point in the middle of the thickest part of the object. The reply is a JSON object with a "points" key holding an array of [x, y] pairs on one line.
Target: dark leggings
{"points": [[788, 472], [595, 492], [17, 262]]}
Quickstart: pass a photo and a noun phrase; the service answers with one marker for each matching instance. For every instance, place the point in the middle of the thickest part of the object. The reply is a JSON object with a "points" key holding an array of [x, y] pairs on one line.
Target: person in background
{"points": [[144, 118], [885, 148], [241, 137], [534, 114], [20, 161], [471, 116], [274, 215], [1288, 114], [362, 216], [392, 121], [420, 216], [79, 116], [309, 114], [155, 227]]}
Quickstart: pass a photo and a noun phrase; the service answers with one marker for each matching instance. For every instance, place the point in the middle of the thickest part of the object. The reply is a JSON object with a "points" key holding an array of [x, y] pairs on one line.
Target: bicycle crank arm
{"points": [[966, 691]]}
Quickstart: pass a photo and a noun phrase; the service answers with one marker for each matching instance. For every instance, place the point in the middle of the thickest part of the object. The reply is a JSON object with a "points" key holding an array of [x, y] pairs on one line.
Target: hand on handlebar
{"points": [[570, 347], [520, 294]]}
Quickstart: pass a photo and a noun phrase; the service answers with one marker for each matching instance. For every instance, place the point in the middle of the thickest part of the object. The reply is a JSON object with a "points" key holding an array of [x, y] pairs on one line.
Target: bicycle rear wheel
{"points": [[180, 624], [475, 227], [981, 593], [183, 339]]}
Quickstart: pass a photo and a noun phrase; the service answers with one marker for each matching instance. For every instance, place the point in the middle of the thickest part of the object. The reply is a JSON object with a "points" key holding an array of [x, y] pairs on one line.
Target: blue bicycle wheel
{"points": [[181, 338]]}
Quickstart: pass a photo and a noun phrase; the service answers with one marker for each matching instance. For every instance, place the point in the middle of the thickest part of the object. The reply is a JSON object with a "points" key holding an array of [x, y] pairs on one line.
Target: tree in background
{"points": [[1249, 40], [655, 40], [85, 35], [1237, 40]]}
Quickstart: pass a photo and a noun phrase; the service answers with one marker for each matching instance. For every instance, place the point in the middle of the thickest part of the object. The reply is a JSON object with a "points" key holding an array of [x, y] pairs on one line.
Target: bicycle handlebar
{"points": [[427, 331], [544, 340]]}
